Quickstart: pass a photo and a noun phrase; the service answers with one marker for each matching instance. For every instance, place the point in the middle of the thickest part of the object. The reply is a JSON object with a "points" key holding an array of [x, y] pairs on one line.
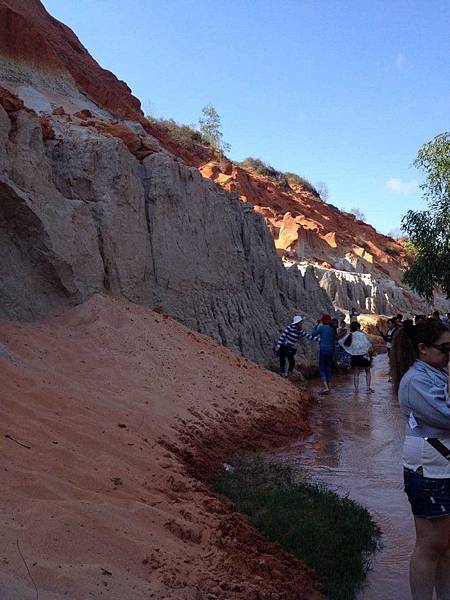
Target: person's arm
{"points": [[342, 339], [429, 403], [309, 336], [316, 330]]}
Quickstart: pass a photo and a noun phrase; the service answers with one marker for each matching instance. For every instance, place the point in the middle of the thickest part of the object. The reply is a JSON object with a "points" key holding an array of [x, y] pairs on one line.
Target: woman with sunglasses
{"points": [[419, 363]]}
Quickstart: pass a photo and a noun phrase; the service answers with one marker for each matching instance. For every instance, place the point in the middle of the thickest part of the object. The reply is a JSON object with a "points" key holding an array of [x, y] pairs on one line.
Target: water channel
{"points": [[355, 449]]}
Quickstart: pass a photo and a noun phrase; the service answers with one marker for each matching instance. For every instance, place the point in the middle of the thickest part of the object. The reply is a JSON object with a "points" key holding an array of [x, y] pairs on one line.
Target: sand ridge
{"points": [[127, 415]]}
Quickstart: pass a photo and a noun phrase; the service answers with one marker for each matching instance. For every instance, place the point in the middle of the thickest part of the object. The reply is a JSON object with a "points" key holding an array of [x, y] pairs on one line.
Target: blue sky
{"points": [[339, 91]]}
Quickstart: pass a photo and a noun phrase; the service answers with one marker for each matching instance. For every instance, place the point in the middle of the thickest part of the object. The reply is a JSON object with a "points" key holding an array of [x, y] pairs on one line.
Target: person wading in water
{"points": [[358, 345], [328, 336], [420, 363], [286, 345]]}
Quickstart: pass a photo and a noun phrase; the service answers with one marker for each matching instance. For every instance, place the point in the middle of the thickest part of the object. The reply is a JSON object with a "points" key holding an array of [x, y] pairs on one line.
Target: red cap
{"points": [[326, 319]]}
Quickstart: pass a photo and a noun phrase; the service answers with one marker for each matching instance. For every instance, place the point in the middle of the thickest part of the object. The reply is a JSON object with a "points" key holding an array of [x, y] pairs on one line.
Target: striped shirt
{"points": [[291, 335]]}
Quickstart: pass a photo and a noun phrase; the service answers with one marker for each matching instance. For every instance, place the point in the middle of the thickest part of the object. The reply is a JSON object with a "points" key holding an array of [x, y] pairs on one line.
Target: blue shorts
{"points": [[429, 497]]}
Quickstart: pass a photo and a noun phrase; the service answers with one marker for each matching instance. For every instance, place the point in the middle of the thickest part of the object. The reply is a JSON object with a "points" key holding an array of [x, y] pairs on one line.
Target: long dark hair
{"points": [[405, 345], [354, 326]]}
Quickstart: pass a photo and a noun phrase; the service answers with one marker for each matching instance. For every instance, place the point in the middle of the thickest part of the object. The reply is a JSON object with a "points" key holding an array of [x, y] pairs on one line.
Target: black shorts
{"points": [[429, 497], [360, 360]]}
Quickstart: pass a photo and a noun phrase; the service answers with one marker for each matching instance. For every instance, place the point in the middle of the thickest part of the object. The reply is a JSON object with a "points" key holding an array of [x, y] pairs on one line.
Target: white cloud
{"points": [[402, 187], [400, 61]]}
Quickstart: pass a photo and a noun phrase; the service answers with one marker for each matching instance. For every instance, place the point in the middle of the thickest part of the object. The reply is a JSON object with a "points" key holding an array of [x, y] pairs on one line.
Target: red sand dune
{"points": [[113, 420]]}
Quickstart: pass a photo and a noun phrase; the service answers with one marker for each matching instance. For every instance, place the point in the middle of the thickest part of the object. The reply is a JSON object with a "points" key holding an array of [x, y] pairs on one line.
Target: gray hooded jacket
{"points": [[423, 391]]}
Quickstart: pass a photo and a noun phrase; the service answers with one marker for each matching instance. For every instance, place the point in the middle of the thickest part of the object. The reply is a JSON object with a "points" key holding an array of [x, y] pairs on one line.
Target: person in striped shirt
{"points": [[286, 345]]}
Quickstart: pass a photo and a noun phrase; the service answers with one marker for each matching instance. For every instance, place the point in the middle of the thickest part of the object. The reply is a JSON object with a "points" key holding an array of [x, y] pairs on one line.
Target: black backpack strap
{"points": [[439, 446]]}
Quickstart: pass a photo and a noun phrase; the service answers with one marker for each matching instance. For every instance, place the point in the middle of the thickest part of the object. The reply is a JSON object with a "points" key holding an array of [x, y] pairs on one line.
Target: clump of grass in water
{"points": [[333, 535]]}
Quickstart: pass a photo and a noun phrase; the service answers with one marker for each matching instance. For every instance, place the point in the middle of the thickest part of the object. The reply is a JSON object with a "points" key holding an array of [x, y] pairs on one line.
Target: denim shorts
{"points": [[429, 497]]}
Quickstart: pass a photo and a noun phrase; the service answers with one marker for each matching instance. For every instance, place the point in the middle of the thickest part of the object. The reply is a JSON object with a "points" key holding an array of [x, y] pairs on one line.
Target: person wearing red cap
{"points": [[328, 337]]}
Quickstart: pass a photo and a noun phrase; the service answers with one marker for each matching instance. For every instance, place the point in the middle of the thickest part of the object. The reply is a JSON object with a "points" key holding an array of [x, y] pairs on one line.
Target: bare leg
{"points": [[325, 388], [432, 541], [368, 379], [356, 378], [443, 577], [323, 358]]}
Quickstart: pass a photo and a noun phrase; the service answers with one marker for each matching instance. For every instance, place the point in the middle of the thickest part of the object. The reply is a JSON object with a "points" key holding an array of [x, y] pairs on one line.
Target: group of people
{"points": [[339, 344], [396, 322], [419, 355]]}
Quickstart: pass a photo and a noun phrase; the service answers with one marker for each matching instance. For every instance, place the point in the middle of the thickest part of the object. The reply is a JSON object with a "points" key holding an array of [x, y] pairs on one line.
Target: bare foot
{"points": [[370, 390]]}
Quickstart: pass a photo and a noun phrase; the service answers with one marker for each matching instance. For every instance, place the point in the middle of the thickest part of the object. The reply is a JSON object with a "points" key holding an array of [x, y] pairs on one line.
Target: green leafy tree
{"points": [[210, 128], [429, 230]]}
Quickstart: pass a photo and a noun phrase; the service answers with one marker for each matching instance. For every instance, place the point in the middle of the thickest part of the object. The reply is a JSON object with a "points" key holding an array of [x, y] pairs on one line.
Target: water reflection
{"points": [[355, 448]]}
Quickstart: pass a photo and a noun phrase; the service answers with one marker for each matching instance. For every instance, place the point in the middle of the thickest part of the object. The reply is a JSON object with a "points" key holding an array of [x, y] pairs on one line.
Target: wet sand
{"points": [[355, 449]]}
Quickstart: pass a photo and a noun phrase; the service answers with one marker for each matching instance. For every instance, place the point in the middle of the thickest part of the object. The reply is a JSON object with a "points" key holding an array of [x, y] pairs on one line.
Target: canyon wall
{"points": [[94, 197], [369, 292], [81, 214], [355, 264]]}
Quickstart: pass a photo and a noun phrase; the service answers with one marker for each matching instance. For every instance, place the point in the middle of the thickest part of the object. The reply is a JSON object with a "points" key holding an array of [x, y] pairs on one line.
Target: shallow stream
{"points": [[355, 449]]}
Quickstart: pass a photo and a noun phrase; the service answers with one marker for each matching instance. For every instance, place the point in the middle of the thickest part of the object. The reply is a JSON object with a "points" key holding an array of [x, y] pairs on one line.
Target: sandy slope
{"points": [[123, 410]]}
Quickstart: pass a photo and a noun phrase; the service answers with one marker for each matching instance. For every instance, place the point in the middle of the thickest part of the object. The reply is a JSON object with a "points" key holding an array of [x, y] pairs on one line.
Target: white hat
{"points": [[297, 319]]}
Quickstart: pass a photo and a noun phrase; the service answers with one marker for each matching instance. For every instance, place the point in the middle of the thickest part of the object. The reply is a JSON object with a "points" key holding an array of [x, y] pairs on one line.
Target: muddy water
{"points": [[355, 449]]}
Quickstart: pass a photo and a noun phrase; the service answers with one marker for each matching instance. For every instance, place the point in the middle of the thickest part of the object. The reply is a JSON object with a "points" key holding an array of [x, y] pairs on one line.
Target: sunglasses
{"points": [[444, 348]]}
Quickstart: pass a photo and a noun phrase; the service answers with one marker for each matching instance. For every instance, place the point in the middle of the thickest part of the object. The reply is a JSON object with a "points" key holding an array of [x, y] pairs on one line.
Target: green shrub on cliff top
{"points": [[286, 179], [186, 135], [259, 166], [296, 180]]}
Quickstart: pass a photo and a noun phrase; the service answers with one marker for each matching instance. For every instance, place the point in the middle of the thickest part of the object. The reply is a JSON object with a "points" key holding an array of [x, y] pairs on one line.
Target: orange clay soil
{"points": [[114, 419]]}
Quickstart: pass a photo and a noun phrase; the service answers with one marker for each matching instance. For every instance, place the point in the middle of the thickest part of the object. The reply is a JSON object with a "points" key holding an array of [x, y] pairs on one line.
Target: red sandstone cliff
{"points": [[302, 225], [29, 35], [45, 69], [310, 228]]}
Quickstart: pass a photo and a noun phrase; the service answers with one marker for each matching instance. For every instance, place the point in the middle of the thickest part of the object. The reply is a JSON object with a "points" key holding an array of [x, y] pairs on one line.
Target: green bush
{"points": [[186, 135], [286, 180], [410, 249], [260, 167], [296, 180], [333, 535]]}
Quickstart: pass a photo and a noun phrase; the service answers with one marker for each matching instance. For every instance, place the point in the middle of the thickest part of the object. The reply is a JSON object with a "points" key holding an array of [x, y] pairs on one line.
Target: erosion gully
{"points": [[355, 449]]}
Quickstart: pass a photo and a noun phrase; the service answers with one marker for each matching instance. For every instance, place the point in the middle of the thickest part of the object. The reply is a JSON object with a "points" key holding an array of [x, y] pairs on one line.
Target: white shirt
{"points": [[360, 344], [417, 452]]}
